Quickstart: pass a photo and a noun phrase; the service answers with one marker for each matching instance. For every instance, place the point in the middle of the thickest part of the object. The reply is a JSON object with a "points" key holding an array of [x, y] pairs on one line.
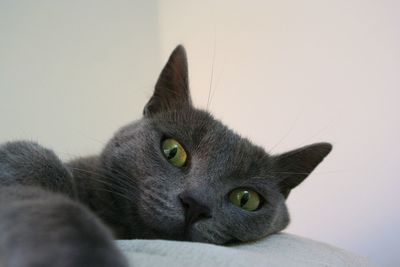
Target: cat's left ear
{"points": [[172, 88], [294, 166]]}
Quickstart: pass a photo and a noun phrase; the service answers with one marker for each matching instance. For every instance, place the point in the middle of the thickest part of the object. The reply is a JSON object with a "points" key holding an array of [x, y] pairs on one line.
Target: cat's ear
{"points": [[172, 88], [294, 166]]}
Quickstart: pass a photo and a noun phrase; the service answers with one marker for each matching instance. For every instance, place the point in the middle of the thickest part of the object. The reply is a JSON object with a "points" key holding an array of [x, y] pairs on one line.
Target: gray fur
{"points": [[136, 192], [40, 228], [27, 163]]}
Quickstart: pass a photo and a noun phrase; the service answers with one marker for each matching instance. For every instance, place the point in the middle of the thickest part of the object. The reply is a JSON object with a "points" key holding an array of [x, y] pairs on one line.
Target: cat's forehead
{"points": [[185, 120], [202, 133], [196, 126], [214, 150]]}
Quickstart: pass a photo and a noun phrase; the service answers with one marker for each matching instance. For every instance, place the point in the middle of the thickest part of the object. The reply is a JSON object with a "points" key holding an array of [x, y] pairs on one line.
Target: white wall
{"points": [[72, 72], [286, 73], [289, 73]]}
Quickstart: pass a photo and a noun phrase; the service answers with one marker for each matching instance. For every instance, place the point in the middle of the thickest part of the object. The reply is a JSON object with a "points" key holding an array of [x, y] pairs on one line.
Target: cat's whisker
{"points": [[121, 189], [316, 134], [116, 192], [216, 84], [92, 173], [215, 234], [271, 150], [78, 132], [129, 180], [151, 200], [306, 173], [316, 172], [222, 229], [212, 71]]}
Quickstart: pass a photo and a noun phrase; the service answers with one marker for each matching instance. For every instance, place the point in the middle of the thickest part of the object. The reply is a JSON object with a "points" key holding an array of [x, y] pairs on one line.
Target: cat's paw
{"points": [[40, 228], [27, 163]]}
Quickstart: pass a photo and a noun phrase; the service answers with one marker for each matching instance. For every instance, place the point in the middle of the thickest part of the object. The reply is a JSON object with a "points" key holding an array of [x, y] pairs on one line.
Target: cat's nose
{"points": [[194, 210]]}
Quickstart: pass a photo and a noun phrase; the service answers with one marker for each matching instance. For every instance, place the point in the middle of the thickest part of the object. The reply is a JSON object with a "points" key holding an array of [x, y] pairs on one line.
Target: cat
{"points": [[177, 174]]}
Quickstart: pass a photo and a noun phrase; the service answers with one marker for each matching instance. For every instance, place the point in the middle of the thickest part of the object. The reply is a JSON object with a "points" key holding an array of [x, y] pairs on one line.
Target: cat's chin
{"points": [[203, 239], [191, 233], [197, 233]]}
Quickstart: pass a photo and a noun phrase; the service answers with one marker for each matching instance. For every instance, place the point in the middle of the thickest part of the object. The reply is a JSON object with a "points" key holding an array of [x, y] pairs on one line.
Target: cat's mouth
{"points": [[198, 228], [194, 233], [193, 213], [190, 234]]}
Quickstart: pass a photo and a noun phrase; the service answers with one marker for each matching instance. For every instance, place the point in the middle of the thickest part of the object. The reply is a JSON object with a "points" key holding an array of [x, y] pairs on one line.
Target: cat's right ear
{"points": [[172, 88]]}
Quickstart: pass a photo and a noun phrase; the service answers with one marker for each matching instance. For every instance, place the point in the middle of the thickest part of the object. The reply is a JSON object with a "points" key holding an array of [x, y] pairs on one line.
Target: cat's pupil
{"points": [[172, 152], [245, 198]]}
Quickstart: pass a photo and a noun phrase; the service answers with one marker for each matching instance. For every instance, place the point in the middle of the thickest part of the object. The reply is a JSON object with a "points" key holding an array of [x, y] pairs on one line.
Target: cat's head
{"points": [[186, 176]]}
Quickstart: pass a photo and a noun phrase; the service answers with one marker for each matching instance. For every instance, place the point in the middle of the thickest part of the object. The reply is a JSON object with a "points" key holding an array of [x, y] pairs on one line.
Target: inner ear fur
{"points": [[294, 166], [172, 88]]}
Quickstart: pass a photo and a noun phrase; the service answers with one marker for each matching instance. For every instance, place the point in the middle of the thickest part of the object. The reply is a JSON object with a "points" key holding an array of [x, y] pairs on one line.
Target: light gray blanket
{"points": [[277, 250]]}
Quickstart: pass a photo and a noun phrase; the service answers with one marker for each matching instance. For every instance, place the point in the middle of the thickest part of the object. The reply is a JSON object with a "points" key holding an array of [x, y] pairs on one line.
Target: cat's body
{"points": [[175, 174]]}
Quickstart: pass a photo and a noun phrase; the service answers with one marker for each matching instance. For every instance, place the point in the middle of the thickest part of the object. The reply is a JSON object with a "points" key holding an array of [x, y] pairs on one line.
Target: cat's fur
{"points": [[58, 214]]}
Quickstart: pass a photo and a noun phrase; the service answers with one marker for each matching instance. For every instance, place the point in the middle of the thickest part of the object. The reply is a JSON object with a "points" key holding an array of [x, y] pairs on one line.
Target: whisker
{"points": [[90, 172], [115, 192], [271, 150], [212, 70], [217, 83], [129, 179], [79, 132], [121, 188], [316, 134], [321, 172]]}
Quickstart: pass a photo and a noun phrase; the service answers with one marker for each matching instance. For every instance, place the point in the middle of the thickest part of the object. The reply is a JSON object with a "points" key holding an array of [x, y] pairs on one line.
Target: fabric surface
{"points": [[276, 250]]}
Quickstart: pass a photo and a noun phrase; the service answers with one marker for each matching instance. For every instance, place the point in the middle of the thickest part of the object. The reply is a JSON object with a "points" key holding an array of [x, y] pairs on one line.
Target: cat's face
{"points": [[186, 176]]}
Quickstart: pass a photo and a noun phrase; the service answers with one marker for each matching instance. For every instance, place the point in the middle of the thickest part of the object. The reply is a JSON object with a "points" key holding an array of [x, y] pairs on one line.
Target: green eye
{"points": [[245, 199], [174, 152]]}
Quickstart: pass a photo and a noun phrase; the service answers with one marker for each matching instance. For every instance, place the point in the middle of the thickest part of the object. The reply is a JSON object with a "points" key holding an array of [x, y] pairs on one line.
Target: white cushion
{"points": [[276, 250]]}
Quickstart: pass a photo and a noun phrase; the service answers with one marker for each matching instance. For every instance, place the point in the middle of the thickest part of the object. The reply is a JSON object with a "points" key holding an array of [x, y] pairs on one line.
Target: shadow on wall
{"points": [[73, 72]]}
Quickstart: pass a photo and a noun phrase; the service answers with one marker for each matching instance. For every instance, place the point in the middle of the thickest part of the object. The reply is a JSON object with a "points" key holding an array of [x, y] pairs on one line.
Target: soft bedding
{"points": [[276, 250]]}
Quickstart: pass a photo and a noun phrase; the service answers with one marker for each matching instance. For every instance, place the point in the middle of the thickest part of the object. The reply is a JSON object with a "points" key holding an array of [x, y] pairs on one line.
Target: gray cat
{"points": [[177, 173]]}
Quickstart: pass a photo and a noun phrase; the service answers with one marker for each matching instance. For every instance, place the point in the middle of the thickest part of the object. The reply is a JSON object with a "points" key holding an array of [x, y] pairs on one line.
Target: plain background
{"points": [[282, 73]]}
